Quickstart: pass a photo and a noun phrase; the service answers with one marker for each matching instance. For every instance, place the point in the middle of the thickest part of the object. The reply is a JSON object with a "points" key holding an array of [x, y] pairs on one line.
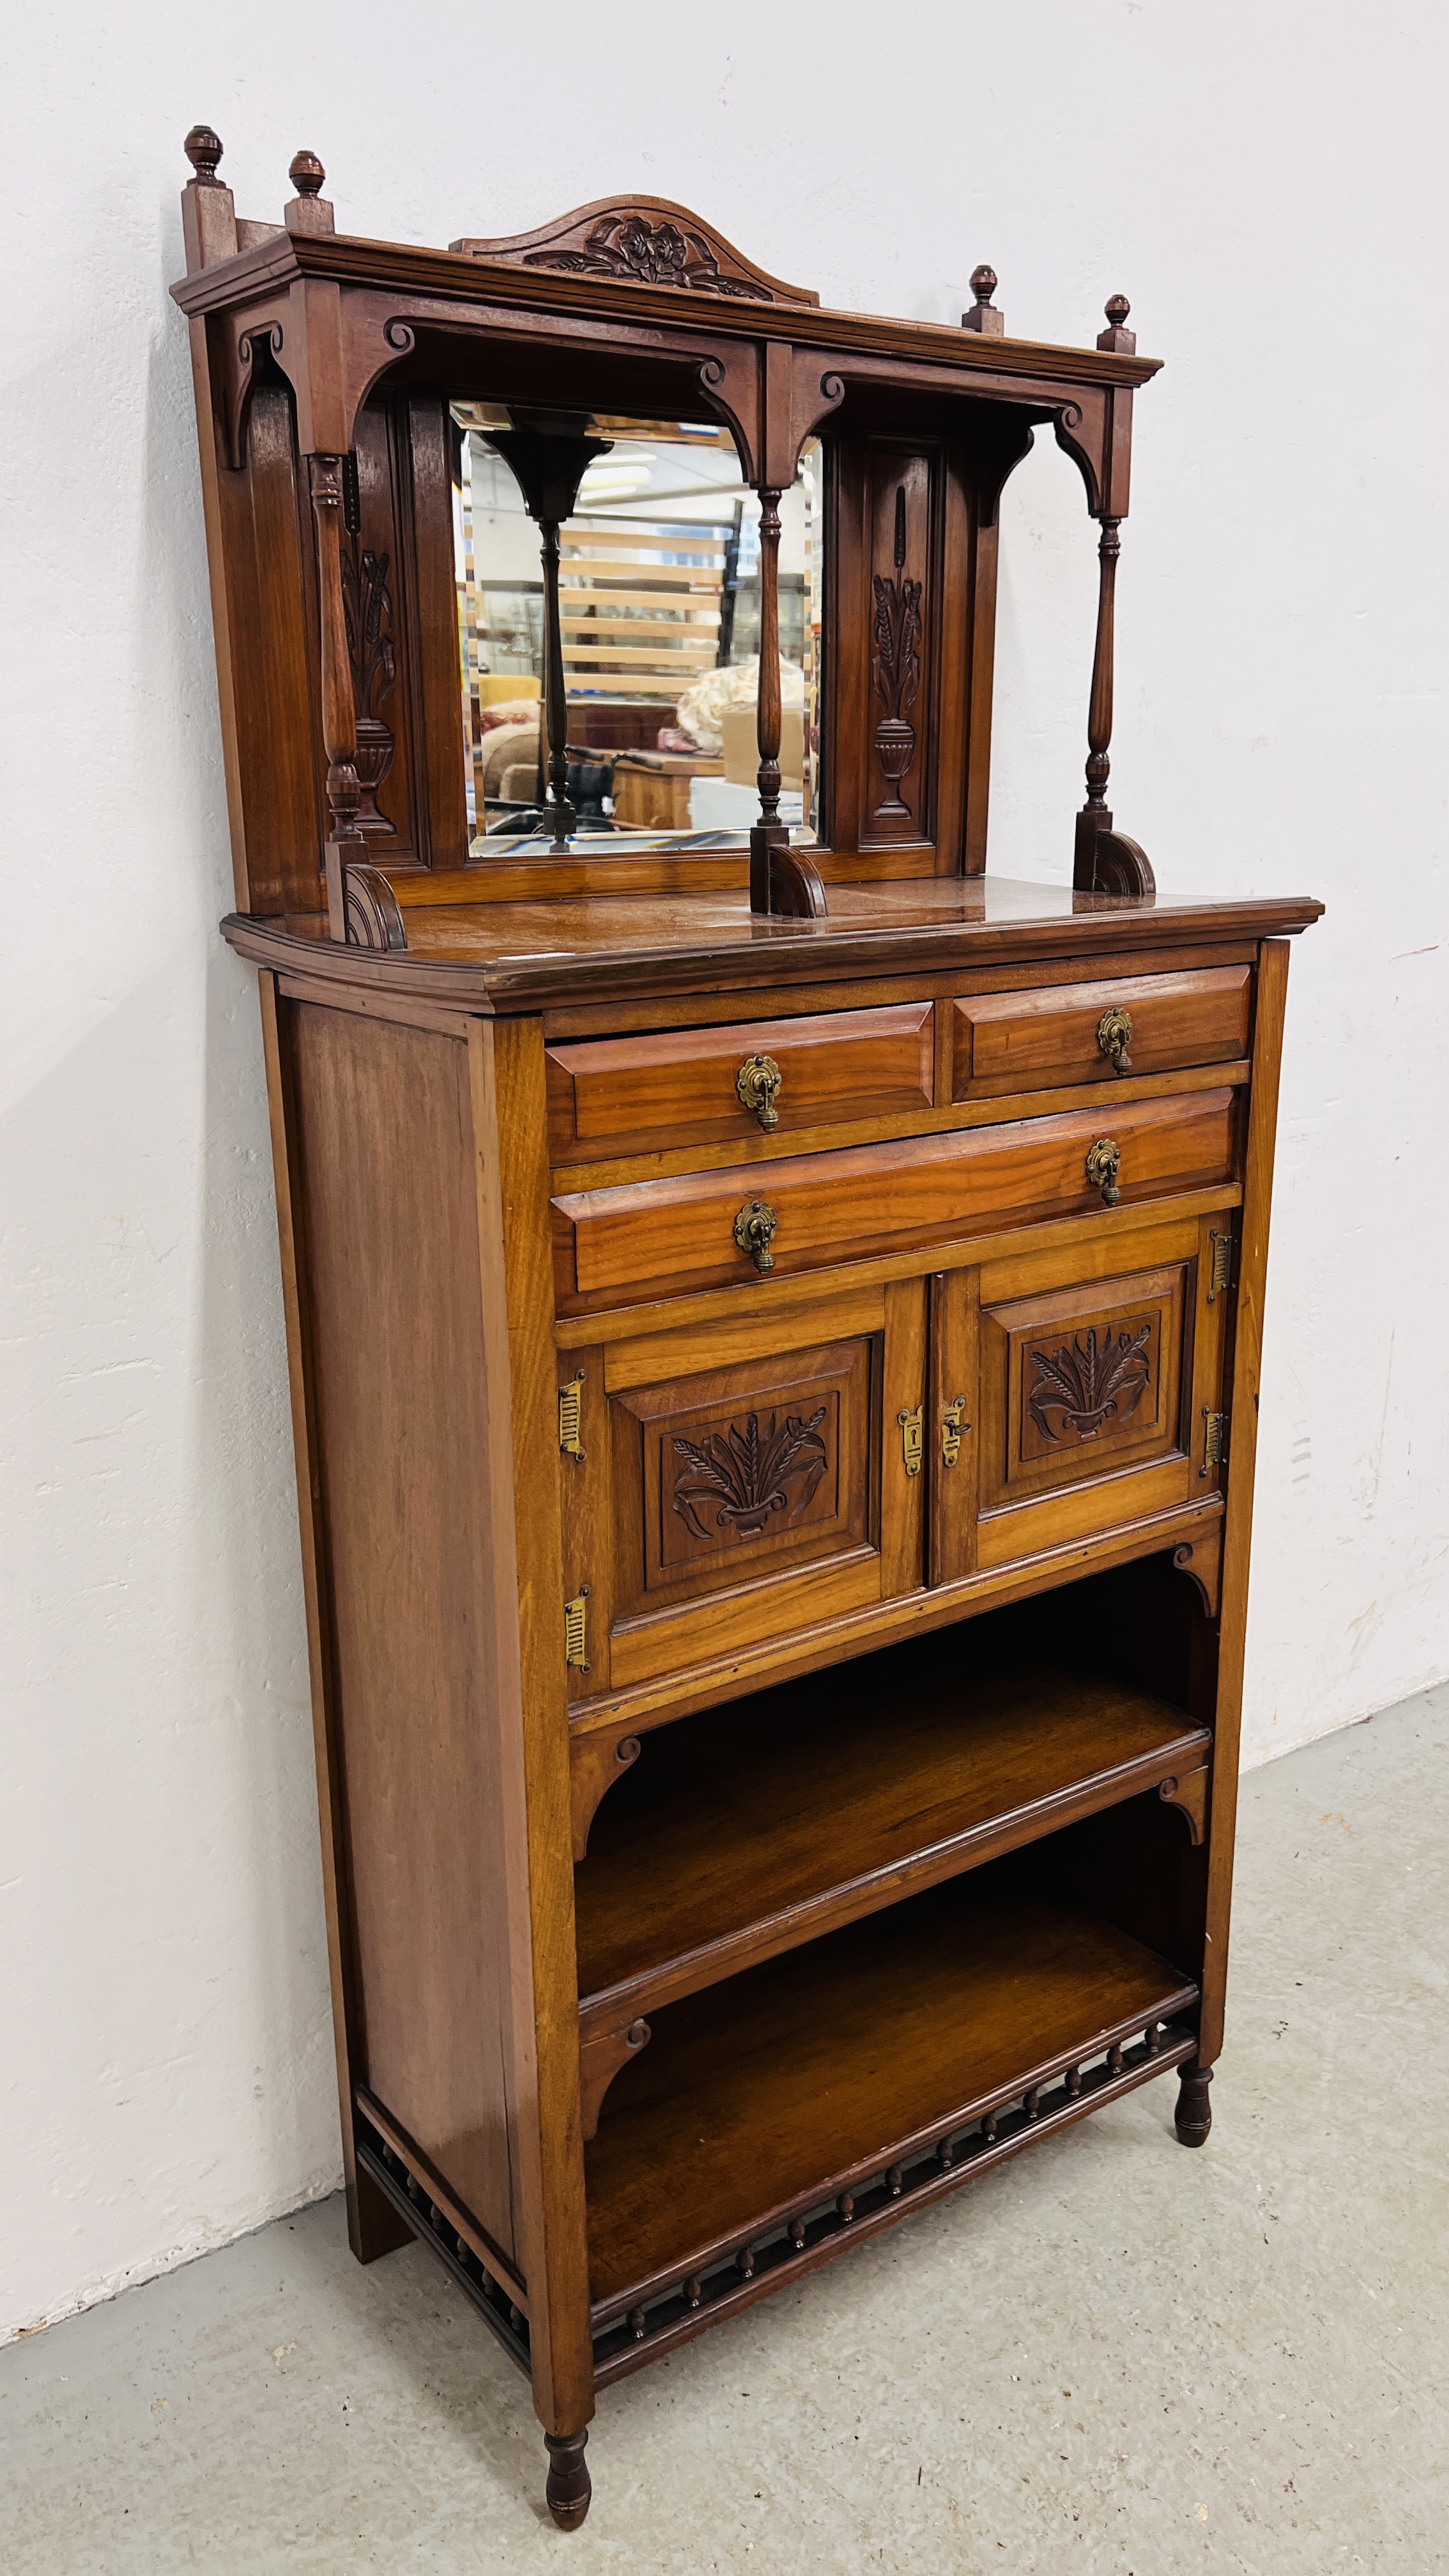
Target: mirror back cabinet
{"points": [[774, 1312]]}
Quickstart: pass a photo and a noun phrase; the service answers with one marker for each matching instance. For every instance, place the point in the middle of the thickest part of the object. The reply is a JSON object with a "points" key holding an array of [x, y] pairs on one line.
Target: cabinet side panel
{"points": [[386, 1161]]}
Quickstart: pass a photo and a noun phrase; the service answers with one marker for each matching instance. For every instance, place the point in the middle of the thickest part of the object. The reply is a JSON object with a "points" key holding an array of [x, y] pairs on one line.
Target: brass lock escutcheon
{"points": [[953, 1425], [758, 1086], [755, 1230], [1114, 1037], [913, 1439], [1103, 1164]]}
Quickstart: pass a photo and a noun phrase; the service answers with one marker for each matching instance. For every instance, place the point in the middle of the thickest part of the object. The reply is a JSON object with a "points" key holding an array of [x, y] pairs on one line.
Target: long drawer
{"points": [[668, 1237], [694, 1086]]}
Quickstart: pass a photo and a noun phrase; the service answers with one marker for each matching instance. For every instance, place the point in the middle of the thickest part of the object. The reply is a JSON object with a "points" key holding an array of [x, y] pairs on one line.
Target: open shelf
{"points": [[816, 2073], [750, 1829]]}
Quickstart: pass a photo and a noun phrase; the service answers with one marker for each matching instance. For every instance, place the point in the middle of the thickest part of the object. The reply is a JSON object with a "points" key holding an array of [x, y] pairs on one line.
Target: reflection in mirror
{"points": [[659, 614]]}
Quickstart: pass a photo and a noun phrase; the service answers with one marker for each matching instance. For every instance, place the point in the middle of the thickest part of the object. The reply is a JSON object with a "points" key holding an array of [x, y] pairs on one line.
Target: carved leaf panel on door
{"points": [[736, 1473], [1091, 1377]]}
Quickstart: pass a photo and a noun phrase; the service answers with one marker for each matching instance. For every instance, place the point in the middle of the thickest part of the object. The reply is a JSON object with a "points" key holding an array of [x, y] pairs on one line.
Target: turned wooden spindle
{"points": [[549, 455], [768, 714], [309, 211], [983, 315], [1095, 816], [782, 880], [326, 476]]}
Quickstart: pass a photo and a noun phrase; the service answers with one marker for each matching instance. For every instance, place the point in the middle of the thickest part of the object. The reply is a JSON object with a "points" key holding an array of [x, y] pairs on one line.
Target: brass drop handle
{"points": [[757, 1085], [755, 1230], [1103, 1164], [1114, 1037]]}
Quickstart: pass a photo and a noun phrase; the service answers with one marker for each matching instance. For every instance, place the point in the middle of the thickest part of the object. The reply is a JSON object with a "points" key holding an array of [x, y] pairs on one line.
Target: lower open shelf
{"points": [[813, 2076]]}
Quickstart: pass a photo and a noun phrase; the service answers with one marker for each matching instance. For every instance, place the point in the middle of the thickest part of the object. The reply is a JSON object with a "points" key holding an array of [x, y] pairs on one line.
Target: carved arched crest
{"points": [[642, 241]]}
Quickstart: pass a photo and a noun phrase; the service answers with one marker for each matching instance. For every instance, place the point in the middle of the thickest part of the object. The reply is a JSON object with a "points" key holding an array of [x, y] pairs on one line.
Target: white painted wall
{"points": [[1265, 187]]}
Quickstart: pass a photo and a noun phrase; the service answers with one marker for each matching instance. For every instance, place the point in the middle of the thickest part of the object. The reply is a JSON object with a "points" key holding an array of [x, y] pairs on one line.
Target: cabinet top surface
{"points": [[516, 955]]}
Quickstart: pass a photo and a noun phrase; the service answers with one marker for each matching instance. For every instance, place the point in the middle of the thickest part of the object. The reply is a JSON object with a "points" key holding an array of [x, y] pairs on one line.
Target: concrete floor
{"points": [[1109, 2355]]}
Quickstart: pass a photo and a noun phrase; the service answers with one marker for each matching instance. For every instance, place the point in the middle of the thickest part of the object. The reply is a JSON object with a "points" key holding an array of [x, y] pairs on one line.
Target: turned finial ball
{"points": [[983, 284], [1117, 309], [203, 150], [307, 174]]}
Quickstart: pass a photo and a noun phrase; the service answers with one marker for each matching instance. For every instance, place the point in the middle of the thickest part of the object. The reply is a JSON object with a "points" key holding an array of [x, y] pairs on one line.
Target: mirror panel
{"points": [[659, 598]]}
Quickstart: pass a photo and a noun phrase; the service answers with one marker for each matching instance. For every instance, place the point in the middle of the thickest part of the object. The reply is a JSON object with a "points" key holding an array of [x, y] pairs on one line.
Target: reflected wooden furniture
{"points": [[775, 1389], [651, 788]]}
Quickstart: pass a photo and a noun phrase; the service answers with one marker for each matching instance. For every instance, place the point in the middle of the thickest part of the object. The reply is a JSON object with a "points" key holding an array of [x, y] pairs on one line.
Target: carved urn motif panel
{"points": [[1082, 1382], [745, 1471]]}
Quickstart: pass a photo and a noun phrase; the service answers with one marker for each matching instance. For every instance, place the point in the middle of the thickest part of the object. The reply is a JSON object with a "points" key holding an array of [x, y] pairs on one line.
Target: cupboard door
{"points": [[1095, 1393], [744, 1480]]}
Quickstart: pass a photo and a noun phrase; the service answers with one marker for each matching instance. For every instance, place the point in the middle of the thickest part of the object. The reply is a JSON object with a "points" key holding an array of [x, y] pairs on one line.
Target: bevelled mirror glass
{"points": [[659, 617]]}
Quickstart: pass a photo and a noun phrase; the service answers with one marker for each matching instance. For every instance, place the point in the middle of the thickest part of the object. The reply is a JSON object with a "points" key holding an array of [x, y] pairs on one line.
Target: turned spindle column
{"points": [[339, 714], [1095, 816]]}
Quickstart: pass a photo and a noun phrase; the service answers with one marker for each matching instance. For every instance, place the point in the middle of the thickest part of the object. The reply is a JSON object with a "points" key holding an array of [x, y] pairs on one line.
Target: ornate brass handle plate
{"points": [[755, 1230], [1103, 1164], [758, 1086], [953, 1425], [1114, 1037]]}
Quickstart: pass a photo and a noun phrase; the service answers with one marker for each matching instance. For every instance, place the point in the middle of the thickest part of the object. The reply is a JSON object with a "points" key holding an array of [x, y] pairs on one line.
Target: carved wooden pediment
{"points": [[642, 241]]}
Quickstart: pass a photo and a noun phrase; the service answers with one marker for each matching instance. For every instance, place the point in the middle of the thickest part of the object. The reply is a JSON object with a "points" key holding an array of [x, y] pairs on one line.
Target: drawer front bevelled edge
{"points": [[708, 1085]]}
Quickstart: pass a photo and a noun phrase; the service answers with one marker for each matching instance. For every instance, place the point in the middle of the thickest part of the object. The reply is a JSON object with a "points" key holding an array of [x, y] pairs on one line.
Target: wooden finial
{"points": [[309, 211], [983, 315], [1117, 336], [208, 216], [202, 148]]}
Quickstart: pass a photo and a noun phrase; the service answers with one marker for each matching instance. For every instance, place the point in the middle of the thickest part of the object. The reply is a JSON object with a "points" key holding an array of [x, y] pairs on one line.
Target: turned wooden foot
{"points": [[569, 2485], [1194, 2115]]}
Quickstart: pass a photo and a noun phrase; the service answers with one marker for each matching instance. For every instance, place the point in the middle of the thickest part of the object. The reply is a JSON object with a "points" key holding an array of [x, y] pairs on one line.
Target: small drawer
{"points": [[700, 1086], [669, 1237], [1067, 1033]]}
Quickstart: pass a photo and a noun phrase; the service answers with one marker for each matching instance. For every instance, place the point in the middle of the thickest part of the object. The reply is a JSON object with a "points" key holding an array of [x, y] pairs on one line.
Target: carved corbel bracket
{"points": [[595, 1763], [1201, 1560], [601, 2054], [248, 348], [1082, 427], [1189, 1795]]}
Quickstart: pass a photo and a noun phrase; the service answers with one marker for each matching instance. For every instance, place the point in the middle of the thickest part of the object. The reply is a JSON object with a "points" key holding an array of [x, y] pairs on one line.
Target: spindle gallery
{"points": [[774, 1310]]}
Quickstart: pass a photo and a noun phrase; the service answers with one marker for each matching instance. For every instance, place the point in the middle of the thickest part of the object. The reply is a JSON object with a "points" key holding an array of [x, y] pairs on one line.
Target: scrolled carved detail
{"points": [[650, 255], [400, 336], [1089, 1384], [749, 1475], [641, 241], [1188, 1798], [253, 347], [601, 2055], [1201, 1560], [595, 1763]]}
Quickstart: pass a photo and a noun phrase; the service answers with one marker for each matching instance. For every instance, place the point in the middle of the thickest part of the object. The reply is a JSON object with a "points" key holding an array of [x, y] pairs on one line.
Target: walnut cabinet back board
{"points": [[774, 1312]]}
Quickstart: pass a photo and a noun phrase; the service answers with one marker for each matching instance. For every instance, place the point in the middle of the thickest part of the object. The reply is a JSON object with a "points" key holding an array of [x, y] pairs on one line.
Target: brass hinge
{"points": [[576, 1631], [571, 1417], [953, 1424], [1215, 1445], [1222, 1265], [913, 1438]]}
